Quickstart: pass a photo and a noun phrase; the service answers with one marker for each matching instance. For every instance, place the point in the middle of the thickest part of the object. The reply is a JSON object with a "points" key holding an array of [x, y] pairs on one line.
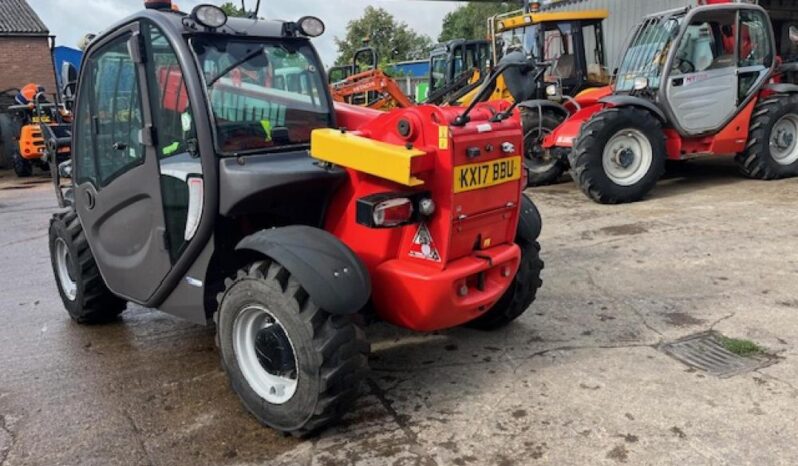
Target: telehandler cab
{"points": [[694, 81], [204, 190]]}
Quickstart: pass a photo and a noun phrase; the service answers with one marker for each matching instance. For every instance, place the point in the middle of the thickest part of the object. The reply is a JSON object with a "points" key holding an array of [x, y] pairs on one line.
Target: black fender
{"points": [[633, 101], [543, 105], [334, 277], [782, 88], [530, 223]]}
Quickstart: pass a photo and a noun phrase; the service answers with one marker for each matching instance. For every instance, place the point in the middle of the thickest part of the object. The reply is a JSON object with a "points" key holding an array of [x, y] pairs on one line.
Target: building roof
{"points": [[18, 18]]}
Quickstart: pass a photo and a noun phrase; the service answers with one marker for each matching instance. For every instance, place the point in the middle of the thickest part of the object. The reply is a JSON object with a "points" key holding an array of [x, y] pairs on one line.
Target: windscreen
{"points": [[523, 39], [264, 95], [648, 51]]}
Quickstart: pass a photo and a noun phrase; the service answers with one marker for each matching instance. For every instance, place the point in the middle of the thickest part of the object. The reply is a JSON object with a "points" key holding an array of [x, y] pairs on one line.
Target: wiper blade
{"points": [[235, 65]]}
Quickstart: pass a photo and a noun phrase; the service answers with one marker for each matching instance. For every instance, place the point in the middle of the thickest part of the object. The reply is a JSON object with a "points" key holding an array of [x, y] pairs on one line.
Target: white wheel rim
{"points": [[784, 140], [62, 261], [274, 388], [627, 157]]}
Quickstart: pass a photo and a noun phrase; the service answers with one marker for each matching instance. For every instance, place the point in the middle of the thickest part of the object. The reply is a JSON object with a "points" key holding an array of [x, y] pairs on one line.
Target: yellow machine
{"points": [[571, 41]]}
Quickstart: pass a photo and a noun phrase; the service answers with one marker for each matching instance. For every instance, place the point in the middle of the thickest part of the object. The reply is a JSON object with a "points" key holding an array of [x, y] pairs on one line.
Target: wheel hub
{"points": [[628, 156], [65, 269], [625, 157], [784, 140], [538, 159], [274, 351], [265, 354]]}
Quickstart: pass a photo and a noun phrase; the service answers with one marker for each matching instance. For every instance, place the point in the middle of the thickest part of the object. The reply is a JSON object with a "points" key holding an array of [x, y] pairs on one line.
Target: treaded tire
{"points": [[757, 161], [530, 119], [331, 351], [7, 140], [93, 303], [587, 156], [521, 294], [23, 168]]}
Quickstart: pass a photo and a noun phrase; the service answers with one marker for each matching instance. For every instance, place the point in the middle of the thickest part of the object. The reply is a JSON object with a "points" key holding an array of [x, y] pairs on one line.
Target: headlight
{"points": [[500, 25], [311, 26], [210, 16], [551, 90], [640, 83]]}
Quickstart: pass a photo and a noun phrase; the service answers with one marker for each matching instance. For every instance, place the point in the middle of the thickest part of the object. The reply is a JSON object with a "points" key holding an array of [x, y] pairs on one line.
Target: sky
{"points": [[70, 20]]}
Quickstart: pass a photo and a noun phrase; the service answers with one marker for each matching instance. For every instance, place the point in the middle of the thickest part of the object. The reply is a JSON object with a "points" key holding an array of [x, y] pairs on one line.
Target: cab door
{"points": [[721, 60], [702, 86], [118, 190]]}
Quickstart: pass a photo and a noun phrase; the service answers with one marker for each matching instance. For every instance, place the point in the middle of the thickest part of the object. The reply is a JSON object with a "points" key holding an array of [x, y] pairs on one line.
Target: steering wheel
{"points": [[684, 61]]}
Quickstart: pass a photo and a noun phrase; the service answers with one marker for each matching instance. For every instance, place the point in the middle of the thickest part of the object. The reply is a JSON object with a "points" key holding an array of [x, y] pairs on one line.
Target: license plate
{"points": [[40, 119], [484, 175]]}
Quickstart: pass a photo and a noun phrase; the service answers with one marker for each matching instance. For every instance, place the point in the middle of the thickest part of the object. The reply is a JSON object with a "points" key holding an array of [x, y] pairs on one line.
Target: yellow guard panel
{"points": [[387, 161], [536, 18]]}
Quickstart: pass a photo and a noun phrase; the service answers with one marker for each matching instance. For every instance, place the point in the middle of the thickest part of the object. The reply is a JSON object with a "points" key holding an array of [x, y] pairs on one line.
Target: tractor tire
{"points": [[521, 294], [80, 285], [8, 142], [295, 367], [541, 167], [772, 150], [619, 155], [23, 168]]}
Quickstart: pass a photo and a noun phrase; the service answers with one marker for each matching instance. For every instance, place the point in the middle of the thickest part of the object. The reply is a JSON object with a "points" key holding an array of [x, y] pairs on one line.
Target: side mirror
{"points": [[517, 72], [794, 35]]}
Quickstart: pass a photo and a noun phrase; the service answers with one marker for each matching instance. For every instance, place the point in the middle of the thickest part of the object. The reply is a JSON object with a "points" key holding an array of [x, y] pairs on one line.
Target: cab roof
{"points": [[527, 19], [238, 27]]}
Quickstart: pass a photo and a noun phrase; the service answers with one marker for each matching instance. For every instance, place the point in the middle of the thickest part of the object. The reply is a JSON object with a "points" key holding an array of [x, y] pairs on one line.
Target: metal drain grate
{"points": [[705, 352]]}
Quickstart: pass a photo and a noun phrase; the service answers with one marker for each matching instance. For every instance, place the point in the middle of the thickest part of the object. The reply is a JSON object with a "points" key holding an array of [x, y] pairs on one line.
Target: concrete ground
{"points": [[577, 380]]}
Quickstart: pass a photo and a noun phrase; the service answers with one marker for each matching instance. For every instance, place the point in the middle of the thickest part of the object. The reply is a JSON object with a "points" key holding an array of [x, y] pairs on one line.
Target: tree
{"points": [[470, 21], [231, 10], [394, 41]]}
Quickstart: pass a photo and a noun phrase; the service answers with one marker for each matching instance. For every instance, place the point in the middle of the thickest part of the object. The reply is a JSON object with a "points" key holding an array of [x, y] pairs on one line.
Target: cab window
{"points": [[115, 112], [558, 46], [708, 44], [173, 117]]}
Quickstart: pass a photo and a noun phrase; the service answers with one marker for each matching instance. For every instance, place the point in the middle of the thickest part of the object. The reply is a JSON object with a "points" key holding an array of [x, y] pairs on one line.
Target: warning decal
{"points": [[423, 247]]}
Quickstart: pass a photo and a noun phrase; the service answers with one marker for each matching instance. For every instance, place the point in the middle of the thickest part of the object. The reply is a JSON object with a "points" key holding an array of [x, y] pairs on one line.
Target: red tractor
{"points": [[693, 81], [208, 192]]}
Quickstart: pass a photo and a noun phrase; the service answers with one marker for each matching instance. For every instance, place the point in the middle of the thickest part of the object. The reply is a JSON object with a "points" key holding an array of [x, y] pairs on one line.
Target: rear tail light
{"points": [[388, 210], [393, 212], [196, 199]]}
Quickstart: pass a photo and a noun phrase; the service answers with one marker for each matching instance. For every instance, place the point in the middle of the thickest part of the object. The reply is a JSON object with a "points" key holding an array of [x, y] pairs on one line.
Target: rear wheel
{"points": [[295, 367], [23, 168], [543, 169], [8, 143], [772, 150], [80, 285], [619, 155], [521, 294]]}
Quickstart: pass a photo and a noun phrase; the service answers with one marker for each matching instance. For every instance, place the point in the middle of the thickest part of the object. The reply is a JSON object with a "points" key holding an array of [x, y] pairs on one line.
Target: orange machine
{"points": [[368, 88], [373, 89], [34, 112]]}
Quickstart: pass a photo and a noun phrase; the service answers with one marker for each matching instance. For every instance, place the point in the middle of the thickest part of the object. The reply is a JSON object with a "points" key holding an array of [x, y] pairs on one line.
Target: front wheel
{"points": [[542, 167], [79, 282], [22, 167], [295, 367], [619, 155], [772, 150]]}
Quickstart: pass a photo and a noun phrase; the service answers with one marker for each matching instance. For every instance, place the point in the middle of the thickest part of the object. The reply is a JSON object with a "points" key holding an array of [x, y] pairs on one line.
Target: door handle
{"points": [[90, 200], [677, 82]]}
